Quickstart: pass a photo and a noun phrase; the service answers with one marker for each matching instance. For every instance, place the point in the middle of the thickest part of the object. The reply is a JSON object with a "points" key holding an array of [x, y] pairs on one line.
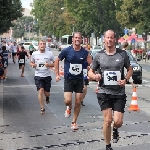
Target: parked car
{"points": [[94, 50], [137, 69]]}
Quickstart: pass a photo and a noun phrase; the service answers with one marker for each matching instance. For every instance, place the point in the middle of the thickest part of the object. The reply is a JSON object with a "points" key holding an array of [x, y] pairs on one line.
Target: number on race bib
{"points": [[75, 69], [41, 65], [21, 61], [112, 77]]}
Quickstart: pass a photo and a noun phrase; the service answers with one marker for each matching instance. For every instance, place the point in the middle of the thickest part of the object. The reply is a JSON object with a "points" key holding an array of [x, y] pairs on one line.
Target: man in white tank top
{"points": [[42, 60], [14, 49]]}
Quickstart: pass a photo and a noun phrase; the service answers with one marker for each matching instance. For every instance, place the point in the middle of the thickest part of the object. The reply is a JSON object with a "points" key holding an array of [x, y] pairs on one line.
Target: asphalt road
{"points": [[23, 127]]}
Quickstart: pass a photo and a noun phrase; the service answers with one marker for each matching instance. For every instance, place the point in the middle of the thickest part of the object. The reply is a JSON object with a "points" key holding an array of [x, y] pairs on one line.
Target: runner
{"points": [[1, 67], [110, 63], [31, 49], [5, 54], [14, 49], [74, 56], [42, 60], [21, 59], [86, 81]]}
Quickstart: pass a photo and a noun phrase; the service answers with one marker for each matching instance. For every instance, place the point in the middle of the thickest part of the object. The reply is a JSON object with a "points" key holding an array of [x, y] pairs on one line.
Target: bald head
{"points": [[110, 32]]}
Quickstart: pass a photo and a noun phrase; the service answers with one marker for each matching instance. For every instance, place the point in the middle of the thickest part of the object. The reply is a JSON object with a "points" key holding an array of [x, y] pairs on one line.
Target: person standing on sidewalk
{"points": [[14, 49], [42, 60], [110, 64], [74, 56], [124, 47], [21, 59]]}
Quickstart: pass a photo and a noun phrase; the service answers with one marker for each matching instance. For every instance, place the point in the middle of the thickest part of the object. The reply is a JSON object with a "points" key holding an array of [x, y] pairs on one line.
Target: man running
{"points": [[14, 49], [42, 60], [74, 56], [21, 59], [5, 54], [110, 64], [86, 81], [31, 49]]}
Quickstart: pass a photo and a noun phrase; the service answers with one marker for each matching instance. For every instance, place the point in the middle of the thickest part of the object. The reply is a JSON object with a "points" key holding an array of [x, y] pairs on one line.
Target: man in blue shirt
{"points": [[74, 57]]}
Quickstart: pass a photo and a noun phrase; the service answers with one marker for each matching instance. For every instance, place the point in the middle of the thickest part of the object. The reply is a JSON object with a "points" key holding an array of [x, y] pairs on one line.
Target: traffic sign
{"points": [[133, 40], [125, 36]]}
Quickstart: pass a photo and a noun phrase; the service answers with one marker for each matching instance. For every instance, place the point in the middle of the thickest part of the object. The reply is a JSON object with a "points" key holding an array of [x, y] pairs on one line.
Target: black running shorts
{"points": [[86, 82], [73, 85], [116, 102], [43, 82], [14, 54]]}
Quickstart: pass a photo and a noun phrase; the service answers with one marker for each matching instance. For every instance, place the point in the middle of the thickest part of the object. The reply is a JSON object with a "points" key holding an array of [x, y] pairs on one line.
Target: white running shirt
{"points": [[40, 59]]}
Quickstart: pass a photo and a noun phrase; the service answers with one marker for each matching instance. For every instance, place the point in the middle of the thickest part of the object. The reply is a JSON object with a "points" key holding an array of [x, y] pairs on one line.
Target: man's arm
{"points": [[89, 59], [129, 73], [57, 66]]}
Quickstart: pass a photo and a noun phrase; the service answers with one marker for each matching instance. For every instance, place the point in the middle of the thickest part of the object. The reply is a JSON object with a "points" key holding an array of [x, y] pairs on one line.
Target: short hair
{"points": [[111, 31], [42, 40], [125, 45], [77, 33]]}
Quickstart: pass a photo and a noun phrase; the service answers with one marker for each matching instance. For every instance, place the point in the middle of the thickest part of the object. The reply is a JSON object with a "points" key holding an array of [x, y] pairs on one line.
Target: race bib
{"points": [[75, 69], [111, 77], [21, 61], [41, 65], [85, 73]]}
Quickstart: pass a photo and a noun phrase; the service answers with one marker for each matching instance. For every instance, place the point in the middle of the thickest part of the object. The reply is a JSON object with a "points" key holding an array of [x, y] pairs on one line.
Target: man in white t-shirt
{"points": [[42, 60], [14, 49]]}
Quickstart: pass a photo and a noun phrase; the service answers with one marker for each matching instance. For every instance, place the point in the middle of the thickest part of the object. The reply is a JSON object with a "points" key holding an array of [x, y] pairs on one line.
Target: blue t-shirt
{"points": [[74, 60], [5, 58]]}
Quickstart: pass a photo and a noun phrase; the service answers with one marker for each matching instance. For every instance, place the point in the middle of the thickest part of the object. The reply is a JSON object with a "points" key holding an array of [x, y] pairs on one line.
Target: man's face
{"points": [[42, 46], [77, 39], [109, 39]]}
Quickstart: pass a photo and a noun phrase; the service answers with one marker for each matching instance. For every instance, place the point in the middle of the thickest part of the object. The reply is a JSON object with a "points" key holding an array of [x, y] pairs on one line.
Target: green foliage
{"points": [[10, 10], [24, 24], [135, 13]]}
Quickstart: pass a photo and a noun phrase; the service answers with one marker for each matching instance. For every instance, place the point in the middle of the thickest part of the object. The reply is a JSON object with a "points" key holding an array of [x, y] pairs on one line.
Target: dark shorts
{"points": [[43, 82], [31, 52], [14, 54], [116, 102], [75, 85], [21, 64], [86, 82]]}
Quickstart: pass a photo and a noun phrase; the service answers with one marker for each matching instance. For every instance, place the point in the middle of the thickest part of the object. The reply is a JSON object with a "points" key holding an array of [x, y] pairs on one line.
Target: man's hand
{"points": [[47, 64], [34, 66], [97, 77], [122, 82], [57, 78]]}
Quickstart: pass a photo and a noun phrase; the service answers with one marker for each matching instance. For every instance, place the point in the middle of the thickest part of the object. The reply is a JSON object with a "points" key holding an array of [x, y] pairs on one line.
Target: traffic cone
{"points": [[97, 88], [134, 105], [61, 72]]}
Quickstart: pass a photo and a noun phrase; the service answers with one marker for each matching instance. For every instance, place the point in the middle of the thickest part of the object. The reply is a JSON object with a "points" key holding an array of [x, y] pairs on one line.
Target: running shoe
{"points": [[109, 148], [67, 113], [115, 136], [47, 100], [74, 126], [42, 111], [82, 103]]}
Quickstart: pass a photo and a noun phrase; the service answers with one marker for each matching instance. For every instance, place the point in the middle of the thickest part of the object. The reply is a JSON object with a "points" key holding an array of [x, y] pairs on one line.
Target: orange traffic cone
{"points": [[97, 88], [134, 105], [61, 72]]}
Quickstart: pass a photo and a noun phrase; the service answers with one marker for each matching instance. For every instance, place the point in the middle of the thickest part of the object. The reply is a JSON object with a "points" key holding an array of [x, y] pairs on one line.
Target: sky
{"points": [[26, 3]]}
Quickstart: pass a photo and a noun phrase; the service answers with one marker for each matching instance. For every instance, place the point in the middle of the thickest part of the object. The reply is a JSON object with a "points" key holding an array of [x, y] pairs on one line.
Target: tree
{"points": [[135, 13], [10, 10], [96, 15]]}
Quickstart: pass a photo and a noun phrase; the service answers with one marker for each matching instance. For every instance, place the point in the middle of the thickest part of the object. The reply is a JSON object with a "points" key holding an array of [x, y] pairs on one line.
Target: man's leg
{"points": [[41, 99], [68, 102], [77, 107], [22, 74], [107, 114], [83, 94]]}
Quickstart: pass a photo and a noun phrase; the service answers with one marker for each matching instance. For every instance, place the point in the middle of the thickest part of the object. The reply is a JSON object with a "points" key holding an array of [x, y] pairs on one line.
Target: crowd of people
{"points": [[107, 68]]}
